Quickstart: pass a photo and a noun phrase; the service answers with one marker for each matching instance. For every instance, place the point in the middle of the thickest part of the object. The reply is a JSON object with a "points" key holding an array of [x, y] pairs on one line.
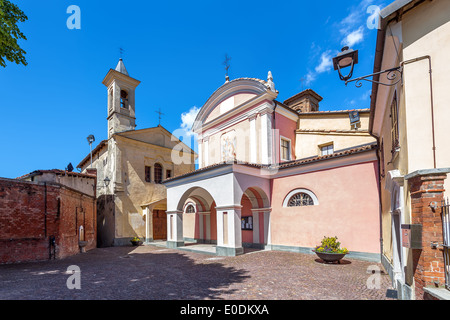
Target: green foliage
{"points": [[331, 245], [10, 15]]}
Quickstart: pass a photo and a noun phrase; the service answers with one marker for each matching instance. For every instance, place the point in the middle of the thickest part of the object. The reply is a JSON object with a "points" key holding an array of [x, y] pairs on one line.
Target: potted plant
{"points": [[330, 250], [135, 241]]}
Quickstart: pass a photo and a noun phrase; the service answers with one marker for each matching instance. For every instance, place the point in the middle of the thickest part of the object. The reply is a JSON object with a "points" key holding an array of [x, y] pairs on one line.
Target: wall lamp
{"points": [[349, 58], [106, 182]]}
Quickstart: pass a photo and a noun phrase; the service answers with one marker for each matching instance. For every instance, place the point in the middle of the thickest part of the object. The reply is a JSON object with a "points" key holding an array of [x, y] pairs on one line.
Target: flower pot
{"points": [[135, 243], [330, 257]]}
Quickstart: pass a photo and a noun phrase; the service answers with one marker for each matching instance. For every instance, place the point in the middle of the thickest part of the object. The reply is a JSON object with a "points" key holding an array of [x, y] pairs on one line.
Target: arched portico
{"points": [[255, 218], [220, 189]]}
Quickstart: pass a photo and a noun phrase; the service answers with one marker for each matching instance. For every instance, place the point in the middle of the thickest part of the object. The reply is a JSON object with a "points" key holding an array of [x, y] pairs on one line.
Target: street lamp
{"points": [[106, 181], [346, 58], [349, 58], [90, 140]]}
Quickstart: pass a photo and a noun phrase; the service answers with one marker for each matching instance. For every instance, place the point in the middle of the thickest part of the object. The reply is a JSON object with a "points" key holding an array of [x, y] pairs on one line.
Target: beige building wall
{"points": [[123, 161], [416, 35], [323, 128]]}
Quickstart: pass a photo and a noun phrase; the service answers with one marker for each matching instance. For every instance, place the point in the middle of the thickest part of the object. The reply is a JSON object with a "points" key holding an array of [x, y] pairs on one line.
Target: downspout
{"points": [[380, 213]]}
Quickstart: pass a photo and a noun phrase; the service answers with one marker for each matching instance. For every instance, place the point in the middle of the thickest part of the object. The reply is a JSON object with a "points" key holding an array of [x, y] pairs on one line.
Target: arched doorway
{"points": [[194, 220], [255, 218]]}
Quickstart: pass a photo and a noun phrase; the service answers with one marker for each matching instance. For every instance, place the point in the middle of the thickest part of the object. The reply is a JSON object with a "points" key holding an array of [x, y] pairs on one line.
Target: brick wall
{"points": [[428, 262], [30, 213]]}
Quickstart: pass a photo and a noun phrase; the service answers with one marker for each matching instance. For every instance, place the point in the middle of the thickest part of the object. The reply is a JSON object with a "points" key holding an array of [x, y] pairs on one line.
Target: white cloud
{"points": [[187, 120], [310, 77], [326, 62], [354, 37]]}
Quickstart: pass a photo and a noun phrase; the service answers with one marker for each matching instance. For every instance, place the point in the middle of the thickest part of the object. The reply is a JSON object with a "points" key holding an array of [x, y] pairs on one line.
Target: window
{"points": [[123, 99], [190, 209], [394, 124], [158, 173], [326, 150], [285, 149], [168, 174], [148, 174], [300, 199]]}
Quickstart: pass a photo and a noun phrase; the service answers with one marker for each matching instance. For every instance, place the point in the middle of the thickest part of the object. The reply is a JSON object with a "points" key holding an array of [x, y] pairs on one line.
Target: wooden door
{"points": [[159, 225]]}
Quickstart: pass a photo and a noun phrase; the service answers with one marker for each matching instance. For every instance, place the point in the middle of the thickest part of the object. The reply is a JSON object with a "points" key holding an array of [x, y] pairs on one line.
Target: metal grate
{"points": [[446, 239]]}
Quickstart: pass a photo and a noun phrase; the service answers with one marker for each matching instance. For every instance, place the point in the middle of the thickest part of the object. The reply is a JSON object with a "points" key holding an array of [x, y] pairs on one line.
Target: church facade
{"points": [[131, 165], [276, 175]]}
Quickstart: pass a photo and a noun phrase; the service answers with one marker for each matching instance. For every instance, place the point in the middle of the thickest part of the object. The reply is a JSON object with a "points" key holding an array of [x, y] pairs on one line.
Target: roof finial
{"points": [[270, 82]]}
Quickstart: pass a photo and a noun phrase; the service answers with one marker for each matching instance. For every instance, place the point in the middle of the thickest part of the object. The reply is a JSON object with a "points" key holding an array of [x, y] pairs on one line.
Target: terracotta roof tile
{"points": [[293, 163], [57, 172]]}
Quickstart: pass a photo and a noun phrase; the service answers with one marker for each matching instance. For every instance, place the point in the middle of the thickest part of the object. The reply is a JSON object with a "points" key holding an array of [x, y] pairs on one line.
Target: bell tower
{"points": [[121, 99]]}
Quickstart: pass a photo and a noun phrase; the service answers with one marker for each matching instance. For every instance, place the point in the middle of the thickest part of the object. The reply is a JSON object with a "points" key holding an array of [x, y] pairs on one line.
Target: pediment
{"points": [[158, 136], [230, 97]]}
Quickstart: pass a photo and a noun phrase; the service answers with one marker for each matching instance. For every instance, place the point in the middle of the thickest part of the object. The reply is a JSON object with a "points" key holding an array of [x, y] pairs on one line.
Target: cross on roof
{"points": [[159, 115], [226, 63]]}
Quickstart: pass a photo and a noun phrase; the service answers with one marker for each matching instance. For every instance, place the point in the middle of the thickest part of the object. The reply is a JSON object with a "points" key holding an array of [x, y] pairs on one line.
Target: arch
{"points": [[123, 99], [257, 197], [300, 191], [197, 195], [201, 224], [255, 223]]}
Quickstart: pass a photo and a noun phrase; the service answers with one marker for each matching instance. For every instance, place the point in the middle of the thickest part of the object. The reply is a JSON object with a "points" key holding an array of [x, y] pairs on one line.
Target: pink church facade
{"points": [[257, 186]]}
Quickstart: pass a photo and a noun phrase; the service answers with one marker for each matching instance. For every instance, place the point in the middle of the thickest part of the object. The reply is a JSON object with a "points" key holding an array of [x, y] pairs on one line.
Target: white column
{"points": [[267, 232], [148, 236], [220, 228], [174, 229], [229, 234], [208, 227], [200, 226], [253, 146], [266, 138], [255, 215]]}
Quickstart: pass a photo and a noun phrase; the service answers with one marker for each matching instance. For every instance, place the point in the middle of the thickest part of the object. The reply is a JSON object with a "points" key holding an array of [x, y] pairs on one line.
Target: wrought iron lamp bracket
{"points": [[395, 75]]}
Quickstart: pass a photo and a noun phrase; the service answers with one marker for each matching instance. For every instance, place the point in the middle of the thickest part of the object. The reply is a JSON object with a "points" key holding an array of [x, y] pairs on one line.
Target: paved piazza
{"points": [[154, 273]]}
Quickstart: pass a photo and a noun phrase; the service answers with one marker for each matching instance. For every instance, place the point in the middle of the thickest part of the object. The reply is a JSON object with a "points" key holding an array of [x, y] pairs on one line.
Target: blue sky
{"points": [[176, 50]]}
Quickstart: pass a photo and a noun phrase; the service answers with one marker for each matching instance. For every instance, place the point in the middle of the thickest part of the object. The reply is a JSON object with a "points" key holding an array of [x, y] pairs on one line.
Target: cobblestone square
{"points": [[155, 273]]}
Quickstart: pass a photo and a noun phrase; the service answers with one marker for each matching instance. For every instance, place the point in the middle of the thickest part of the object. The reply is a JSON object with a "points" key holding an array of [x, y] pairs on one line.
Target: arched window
{"points": [[300, 198], [190, 208], [123, 99], [158, 173]]}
